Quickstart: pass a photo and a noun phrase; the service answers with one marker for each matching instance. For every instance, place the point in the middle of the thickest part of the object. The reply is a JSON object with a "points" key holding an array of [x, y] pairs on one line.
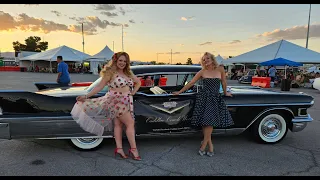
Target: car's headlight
{"points": [[246, 77]]}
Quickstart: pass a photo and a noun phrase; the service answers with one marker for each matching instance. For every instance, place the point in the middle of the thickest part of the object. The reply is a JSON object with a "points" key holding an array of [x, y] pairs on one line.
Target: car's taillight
{"points": [[0, 111]]}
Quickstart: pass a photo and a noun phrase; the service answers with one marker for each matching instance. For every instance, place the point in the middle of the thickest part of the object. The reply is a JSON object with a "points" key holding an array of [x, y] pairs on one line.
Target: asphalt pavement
{"points": [[297, 154]]}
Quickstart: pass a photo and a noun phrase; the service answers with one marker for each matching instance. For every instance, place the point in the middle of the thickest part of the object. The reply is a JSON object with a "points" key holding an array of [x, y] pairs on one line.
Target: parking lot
{"points": [[297, 154]]}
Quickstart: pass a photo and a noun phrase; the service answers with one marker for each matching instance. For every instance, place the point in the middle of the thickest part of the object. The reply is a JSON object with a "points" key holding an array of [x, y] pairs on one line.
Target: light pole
{"points": [[122, 36], [157, 57], [308, 27], [171, 56], [82, 38]]}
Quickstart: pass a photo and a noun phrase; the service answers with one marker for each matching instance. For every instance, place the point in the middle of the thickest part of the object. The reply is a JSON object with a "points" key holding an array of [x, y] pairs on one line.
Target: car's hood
{"points": [[64, 91]]}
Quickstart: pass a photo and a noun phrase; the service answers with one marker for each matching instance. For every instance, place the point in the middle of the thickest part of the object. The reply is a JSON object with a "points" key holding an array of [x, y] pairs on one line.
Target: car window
{"points": [[158, 80], [180, 79], [189, 78], [172, 79]]}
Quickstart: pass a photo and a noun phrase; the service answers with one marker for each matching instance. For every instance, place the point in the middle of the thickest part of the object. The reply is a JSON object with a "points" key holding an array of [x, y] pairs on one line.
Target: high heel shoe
{"points": [[201, 153], [210, 154], [116, 152], [137, 158]]}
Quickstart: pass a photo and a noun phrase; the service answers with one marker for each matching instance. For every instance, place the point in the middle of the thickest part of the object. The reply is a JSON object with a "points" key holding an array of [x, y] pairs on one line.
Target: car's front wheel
{"points": [[86, 143], [270, 128]]}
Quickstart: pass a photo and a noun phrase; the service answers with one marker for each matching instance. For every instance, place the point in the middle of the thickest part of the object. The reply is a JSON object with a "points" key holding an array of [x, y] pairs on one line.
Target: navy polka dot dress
{"points": [[210, 108]]}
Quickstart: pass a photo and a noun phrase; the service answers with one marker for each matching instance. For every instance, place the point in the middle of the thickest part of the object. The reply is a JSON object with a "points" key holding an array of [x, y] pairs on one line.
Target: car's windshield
{"points": [[94, 84], [172, 80]]}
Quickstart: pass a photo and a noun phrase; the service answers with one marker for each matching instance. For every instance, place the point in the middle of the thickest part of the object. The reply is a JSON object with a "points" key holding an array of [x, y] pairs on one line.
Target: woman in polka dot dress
{"points": [[115, 109], [210, 109]]}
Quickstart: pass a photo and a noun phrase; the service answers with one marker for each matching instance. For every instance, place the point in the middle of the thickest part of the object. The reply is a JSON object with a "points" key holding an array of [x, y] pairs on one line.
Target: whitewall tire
{"points": [[270, 128], [86, 143]]}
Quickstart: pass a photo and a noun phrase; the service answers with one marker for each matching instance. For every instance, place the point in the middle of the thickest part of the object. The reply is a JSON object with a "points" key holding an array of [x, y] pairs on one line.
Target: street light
{"points": [[308, 27]]}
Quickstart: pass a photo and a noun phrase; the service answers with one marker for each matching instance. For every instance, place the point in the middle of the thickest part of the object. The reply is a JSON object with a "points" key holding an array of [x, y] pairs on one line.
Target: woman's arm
{"points": [[137, 84], [224, 81], [191, 83]]}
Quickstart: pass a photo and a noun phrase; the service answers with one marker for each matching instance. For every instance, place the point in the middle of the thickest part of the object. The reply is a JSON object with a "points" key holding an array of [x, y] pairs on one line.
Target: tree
{"points": [[178, 63], [189, 61], [230, 57], [153, 62], [32, 43], [161, 63]]}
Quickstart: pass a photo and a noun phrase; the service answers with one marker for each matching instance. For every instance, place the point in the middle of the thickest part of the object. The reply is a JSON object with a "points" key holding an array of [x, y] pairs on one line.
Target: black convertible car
{"points": [[45, 114]]}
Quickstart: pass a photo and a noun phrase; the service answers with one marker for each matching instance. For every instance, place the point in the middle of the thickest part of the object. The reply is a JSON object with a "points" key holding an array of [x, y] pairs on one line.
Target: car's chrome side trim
{"points": [[71, 137], [162, 95], [273, 104], [235, 131], [267, 110]]}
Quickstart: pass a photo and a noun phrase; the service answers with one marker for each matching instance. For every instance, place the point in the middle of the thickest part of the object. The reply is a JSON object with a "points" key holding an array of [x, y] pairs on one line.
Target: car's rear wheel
{"points": [[270, 128], [86, 143]]}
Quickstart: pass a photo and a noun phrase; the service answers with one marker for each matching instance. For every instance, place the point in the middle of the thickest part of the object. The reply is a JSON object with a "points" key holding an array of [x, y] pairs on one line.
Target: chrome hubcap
{"points": [[87, 140], [271, 128]]}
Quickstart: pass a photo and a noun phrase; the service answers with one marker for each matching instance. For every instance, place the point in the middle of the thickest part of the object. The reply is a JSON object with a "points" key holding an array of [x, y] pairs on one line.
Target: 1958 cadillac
{"points": [[45, 114]]}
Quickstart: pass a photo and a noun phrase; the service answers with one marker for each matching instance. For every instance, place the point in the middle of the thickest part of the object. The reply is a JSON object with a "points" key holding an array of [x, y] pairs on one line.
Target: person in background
{"points": [[267, 71], [99, 68], [63, 74], [149, 81], [272, 73], [233, 73], [258, 73]]}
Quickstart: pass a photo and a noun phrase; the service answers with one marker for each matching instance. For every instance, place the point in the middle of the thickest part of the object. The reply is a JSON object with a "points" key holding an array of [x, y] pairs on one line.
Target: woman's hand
{"points": [[176, 93], [228, 94], [81, 98]]}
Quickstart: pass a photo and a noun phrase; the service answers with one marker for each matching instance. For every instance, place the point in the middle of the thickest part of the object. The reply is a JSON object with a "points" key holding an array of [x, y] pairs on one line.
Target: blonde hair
{"points": [[110, 68], [212, 57]]}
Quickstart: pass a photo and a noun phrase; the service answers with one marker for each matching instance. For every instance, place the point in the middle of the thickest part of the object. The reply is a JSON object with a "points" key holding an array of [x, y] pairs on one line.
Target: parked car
{"points": [[45, 114]]}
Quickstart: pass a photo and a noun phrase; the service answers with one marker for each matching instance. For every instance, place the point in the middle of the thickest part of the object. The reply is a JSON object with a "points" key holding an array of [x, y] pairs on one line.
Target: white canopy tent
{"points": [[282, 48], [219, 59], [105, 54], [67, 53]]}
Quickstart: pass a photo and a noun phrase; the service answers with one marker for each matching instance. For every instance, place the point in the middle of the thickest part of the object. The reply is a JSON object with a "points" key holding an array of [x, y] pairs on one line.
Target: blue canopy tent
{"points": [[281, 62]]}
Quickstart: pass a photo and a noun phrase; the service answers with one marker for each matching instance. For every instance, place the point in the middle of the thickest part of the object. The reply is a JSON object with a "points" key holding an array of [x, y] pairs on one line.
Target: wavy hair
{"points": [[212, 57], [110, 68]]}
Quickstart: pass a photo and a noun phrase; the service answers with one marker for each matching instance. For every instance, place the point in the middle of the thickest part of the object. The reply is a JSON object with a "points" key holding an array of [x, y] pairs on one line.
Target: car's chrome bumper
{"points": [[299, 123], [4, 131]]}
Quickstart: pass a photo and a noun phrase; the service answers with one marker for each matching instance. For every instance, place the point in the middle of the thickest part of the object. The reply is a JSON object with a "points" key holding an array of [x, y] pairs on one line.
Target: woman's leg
{"points": [[118, 135], [207, 132], [209, 137], [130, 131]]}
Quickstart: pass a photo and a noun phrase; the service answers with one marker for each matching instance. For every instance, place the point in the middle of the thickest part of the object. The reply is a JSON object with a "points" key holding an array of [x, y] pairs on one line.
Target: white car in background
{"points": [[316, 84]]}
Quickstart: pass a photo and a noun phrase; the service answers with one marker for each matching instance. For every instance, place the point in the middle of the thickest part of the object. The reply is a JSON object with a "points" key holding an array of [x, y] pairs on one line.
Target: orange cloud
{"points": [[24, 22]]}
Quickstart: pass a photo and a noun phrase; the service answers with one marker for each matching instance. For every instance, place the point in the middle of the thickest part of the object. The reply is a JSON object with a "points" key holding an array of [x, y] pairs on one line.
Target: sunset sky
{"points": [[150, 29]]}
